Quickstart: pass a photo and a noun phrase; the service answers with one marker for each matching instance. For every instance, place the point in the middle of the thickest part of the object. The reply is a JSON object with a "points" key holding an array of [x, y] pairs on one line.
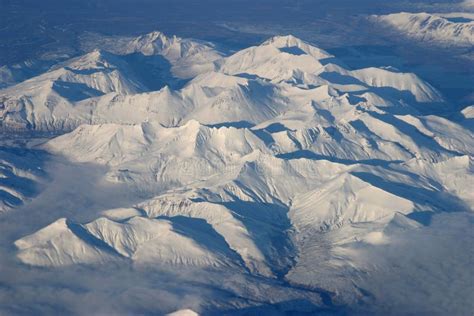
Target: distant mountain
{"points": [[450, 29], [187, 57], [146, 63], [281, 75]]}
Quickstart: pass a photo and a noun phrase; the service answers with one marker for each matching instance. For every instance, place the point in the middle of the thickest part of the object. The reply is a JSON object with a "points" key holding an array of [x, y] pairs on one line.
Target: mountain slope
{"points": [[21, 176]]}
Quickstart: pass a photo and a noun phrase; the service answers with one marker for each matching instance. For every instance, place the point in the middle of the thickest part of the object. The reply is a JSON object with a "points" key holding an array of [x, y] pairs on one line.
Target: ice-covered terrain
{"points": [[275, 179]]}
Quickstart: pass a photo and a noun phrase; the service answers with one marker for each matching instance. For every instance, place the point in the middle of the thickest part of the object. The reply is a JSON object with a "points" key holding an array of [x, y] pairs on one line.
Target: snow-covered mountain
{"points": [[21, 176], [13, 74], [187, 57], [101, 87], [154, 53], [447, 29], [277, 163]]}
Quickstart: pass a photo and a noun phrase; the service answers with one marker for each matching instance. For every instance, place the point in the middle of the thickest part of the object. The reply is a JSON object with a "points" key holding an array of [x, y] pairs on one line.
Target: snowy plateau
{"points": [[274, 179]]}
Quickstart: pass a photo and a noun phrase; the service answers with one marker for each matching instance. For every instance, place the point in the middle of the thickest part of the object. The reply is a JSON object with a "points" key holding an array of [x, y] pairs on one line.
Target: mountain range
{"points": [[277, 162]]}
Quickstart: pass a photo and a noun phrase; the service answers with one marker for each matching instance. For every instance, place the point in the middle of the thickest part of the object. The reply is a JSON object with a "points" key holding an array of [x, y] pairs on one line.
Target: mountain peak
{"points": [[155, 36], [95, 59], [151, 43], [284, 41]]}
